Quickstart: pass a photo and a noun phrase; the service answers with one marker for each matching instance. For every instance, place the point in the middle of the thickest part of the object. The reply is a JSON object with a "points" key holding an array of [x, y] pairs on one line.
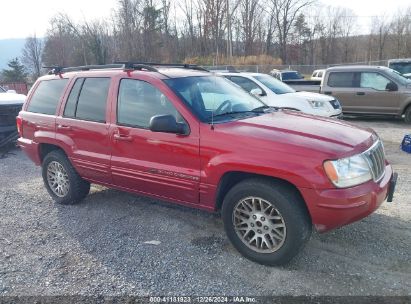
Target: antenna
{"points": [[212, 109]]}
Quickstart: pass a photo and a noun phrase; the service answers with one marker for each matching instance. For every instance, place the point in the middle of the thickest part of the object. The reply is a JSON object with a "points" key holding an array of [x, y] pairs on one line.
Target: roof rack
{"points": [[152, 65], [125, 65]]}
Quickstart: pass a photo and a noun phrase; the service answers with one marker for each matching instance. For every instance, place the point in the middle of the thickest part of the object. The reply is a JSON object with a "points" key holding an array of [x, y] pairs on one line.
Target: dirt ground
{"points": [[99, 246]]}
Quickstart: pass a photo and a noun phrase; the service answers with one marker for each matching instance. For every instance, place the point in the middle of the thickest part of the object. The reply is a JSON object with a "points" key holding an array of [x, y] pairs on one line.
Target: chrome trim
{"points": [[375, 158]]}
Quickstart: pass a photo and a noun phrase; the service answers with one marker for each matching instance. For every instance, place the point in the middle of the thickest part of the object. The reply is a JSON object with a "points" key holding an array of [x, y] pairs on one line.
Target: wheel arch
{"points": [[46, 148], [232, 178]]}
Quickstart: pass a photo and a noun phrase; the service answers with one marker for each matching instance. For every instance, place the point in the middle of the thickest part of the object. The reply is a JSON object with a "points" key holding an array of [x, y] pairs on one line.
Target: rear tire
{"points": [[266, 221], [62, 181], [407, 115]]}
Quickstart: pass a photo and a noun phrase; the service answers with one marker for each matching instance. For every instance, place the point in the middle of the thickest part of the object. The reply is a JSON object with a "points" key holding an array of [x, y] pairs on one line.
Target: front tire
{"points": [[266, 221], [62, 181]]}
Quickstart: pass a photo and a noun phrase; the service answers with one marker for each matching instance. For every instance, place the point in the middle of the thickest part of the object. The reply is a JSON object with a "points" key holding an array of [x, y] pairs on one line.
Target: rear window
{"points": [[342, 80], [88, 99], [47, 96]]}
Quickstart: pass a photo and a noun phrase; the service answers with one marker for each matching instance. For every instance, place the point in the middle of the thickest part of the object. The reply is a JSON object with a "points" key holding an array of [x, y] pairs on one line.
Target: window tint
{"points": [[47, 96], [245, 83], [374, 81], [342, 79], [138, 101], [70, 110], [93, 99]]}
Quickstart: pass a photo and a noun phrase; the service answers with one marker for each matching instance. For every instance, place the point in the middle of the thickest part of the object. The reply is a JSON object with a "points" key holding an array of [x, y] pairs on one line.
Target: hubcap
{"points": [[58, 179], [259, 225]]}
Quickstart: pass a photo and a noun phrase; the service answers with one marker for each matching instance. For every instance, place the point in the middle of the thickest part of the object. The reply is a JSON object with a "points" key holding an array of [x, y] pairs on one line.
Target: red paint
{"points": [[188, 169]]}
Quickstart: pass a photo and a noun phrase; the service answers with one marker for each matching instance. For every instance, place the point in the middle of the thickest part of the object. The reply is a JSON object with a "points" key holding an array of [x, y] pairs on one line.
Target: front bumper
{"points": [[333, 208]]}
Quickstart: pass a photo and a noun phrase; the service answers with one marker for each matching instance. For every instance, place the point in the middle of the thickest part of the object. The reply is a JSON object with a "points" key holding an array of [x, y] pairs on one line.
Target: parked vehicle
{"points": [[402, 66], [285, 75], [10, 106], [194, 138], [278, 94], [369, 90], [318, 75], [295, 80]]}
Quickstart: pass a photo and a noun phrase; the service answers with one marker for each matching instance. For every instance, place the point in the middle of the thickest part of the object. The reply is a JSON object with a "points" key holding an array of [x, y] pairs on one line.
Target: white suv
{"points": [[277, 94]]}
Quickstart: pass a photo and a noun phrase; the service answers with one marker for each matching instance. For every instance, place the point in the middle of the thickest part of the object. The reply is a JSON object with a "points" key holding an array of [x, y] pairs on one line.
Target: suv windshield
{"points": [[402, 67], [291, 75], [214, 96], [274, 85]]}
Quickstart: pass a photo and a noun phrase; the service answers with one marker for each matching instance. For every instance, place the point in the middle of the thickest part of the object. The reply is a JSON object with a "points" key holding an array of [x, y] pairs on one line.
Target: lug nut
{"points": [[266, 227], [263, 218], [252, 225], [254, 216], [259, 231]]}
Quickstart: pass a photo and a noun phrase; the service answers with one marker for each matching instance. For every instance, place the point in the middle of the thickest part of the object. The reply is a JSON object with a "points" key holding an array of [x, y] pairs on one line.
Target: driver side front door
{"points": [[159, 164]]}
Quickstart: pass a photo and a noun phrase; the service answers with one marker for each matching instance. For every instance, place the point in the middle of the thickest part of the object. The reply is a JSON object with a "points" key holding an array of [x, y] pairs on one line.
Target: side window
{"points": [[47, 96], [342, 79], [245, 83], [70, 109], [374, 81], [320, 74], [92, 101], [138, 101]]}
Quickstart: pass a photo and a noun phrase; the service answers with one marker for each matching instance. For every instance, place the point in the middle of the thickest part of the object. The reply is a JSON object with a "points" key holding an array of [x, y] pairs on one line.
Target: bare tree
{"points": [[380, 30], [32, 53], [284, 13]]}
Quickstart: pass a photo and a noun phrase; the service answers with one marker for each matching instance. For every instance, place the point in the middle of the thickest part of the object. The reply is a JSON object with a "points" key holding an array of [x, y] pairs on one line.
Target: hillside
{"points": [[10, 48]]}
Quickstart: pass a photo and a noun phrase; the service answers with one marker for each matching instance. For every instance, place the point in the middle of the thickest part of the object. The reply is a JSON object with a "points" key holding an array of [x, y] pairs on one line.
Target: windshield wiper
{"points": [[263, 109], [232, 113]]}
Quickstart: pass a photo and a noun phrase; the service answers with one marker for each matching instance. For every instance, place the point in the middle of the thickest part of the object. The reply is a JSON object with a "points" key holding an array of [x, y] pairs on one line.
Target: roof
{"points": [[356, 68], [399, 60]]}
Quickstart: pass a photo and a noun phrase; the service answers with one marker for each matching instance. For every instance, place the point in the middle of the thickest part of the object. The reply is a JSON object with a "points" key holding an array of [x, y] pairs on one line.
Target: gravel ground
{"points": [[98, 246]]}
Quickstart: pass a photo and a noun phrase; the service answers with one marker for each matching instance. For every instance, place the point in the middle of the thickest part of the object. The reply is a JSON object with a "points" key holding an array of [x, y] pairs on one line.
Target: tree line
{"points": [[207, 32]]}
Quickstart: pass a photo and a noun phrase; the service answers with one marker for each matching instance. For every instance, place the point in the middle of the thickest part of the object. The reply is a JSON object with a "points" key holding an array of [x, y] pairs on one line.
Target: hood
{"points": [[312, 96], [295, 131], [12, 99]]}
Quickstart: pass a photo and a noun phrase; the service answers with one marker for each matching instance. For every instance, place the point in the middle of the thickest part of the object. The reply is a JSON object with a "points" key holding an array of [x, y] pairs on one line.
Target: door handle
{"points": [[122, 137], [328, 93], [360, 93], [64, 127]]}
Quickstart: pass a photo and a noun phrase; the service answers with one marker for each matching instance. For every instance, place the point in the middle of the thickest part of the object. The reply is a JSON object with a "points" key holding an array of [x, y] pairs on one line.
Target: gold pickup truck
{"points": [[369, 90]]}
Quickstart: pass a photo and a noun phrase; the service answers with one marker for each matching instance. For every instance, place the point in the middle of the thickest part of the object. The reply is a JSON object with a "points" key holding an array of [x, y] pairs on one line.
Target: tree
{"points": [[32, 52], [16, 72], [284, 13]]}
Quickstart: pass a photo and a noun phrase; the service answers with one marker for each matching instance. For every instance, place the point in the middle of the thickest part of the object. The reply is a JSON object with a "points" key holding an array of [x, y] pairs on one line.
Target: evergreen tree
{"points": [[16, 72]]}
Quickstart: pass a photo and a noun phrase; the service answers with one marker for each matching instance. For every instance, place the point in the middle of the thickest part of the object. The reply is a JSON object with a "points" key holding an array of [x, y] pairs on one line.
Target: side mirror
{"points": [[167, 124], [257, 92], [12, 91], [391, 86]]}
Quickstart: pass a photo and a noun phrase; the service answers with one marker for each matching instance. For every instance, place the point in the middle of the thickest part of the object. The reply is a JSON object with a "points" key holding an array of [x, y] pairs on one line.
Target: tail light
{"points": [[19, 122]]}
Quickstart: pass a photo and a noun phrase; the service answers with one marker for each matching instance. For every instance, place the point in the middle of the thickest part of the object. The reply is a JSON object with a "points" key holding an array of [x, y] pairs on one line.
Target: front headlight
{"points": [[316, 104], [348, 172]]}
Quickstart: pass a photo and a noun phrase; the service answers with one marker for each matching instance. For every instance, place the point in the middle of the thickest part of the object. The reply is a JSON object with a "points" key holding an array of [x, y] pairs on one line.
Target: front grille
{"points": [[376, 160], [335, 103], [8, 114]]}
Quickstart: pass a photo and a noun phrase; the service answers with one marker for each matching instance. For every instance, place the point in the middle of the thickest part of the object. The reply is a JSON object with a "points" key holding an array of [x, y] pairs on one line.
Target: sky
{"points": [[22, 18]]}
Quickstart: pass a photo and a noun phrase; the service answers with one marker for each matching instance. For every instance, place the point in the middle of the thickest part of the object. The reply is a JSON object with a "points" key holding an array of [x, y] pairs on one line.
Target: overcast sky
{"points": [[21, 18]]}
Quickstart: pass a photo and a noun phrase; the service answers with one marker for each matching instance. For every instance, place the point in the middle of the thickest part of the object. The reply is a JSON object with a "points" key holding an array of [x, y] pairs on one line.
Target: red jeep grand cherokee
{"points": [[188, 136]]}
